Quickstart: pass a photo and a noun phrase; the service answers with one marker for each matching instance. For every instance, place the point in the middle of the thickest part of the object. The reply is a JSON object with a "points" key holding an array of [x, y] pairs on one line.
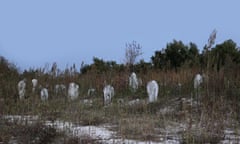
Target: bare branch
{"points": [[133, 50]]}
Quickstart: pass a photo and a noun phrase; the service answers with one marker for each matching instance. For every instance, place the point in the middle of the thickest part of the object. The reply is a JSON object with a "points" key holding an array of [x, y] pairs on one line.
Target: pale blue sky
{"points": [[35, 32]]}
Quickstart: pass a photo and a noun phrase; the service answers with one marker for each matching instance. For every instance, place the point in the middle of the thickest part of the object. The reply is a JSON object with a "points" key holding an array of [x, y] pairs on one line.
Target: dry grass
{"points": [[206, 121], [36, 133], [137, 127]]}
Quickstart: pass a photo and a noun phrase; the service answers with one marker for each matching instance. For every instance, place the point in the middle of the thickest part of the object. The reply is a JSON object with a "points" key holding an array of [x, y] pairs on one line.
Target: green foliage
{"points": [[8, 77], [142, 67], [227, 49], [100, 66], [85, 68], [176, 54], [193, 55], [159, 60], [7, 69]]}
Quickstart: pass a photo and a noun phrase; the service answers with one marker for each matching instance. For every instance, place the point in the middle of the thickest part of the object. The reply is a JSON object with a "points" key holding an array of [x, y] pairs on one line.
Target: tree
{"points": [[85, 68], [9, 76], [193, 55], [133, 50], [176, 53], [159, 60], [228, 49], [99, 65]]}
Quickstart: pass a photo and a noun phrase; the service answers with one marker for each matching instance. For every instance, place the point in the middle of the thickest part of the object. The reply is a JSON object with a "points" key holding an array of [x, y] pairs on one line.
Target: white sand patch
{"points": [[21, 119], [169, 135], [231, 136]]}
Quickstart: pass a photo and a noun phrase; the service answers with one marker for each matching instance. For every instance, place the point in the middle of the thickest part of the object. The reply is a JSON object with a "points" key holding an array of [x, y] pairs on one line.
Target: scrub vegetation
{"points": [[173, 67]]}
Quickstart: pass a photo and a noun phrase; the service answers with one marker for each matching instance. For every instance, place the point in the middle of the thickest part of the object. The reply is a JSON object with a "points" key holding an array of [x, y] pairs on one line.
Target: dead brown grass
{"points": [[206, 121]]}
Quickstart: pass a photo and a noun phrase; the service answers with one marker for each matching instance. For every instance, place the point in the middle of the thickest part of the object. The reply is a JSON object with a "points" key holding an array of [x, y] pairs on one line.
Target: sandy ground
{"points": [[102, 133]]}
